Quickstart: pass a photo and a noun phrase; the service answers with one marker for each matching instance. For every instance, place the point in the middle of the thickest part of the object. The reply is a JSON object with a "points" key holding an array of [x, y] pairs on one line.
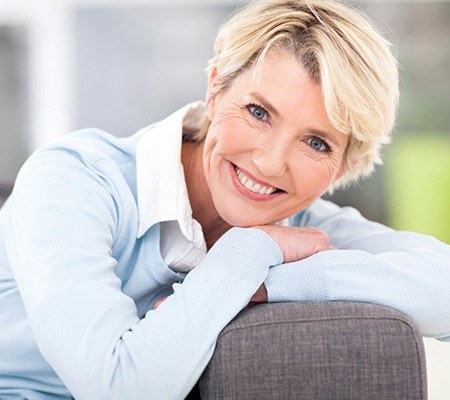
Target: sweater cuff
{"points": [[294, 282], [246, 251]]}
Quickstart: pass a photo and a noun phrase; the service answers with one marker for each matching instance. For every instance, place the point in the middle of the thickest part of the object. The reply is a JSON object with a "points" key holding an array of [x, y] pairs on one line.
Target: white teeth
{"points": [[253, 187], [249, 184]]}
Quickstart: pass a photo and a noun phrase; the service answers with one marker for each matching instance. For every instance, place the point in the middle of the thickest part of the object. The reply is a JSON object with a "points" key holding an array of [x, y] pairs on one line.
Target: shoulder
{"points": [[82, 170], [88, 154], [318, 211], [91, 145]]}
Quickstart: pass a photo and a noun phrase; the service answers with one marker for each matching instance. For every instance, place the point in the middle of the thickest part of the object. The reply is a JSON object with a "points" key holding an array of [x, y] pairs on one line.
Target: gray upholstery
{"points": [[335, 350]]}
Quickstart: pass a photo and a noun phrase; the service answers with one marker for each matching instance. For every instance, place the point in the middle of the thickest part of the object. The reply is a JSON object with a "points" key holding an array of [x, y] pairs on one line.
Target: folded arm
{"points": [[403, 270]]}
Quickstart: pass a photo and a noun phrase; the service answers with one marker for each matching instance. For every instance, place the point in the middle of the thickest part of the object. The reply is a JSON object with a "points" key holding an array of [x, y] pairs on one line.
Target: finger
{"points": [[159, 302]]}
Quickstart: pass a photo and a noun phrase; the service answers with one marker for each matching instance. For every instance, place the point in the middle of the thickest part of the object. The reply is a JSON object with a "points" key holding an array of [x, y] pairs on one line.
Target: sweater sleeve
{"points": [[403, 270], [65, 217]]}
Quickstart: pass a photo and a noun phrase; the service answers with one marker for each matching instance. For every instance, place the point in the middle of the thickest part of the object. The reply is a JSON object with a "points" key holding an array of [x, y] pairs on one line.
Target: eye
{"points": [[319, 145], [257, 112]]}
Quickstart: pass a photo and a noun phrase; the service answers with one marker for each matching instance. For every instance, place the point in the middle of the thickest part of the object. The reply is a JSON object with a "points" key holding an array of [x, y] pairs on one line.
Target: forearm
{"points": [[413, 281], [403, 270]]}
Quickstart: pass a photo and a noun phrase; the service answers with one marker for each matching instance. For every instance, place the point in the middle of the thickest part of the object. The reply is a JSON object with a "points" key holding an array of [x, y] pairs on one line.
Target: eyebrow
{"points": [[272, 109], [325, 135], [266, 103]]}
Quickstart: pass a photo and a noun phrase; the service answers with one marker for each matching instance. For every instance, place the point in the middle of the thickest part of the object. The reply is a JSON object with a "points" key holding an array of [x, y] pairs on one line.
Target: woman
{"points": [[123, 259]]}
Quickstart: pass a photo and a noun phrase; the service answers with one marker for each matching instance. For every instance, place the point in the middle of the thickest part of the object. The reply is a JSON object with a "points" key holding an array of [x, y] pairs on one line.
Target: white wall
{"points": [[438, 369]]}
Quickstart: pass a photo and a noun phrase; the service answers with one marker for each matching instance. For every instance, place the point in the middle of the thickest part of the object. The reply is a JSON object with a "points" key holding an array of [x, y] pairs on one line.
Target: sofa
{"points": [[312, 351]]}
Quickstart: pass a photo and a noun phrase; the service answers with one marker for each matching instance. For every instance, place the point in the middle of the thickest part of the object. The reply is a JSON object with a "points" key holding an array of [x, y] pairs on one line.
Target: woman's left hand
{"points": [[260, 296]]}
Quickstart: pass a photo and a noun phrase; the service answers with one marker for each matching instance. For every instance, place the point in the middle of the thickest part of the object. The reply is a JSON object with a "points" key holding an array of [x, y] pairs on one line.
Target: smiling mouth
{"points": [[257, 188]]}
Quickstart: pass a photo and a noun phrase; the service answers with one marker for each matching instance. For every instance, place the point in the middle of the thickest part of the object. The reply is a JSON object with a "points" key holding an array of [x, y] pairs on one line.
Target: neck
{"points": [[202, 204]]}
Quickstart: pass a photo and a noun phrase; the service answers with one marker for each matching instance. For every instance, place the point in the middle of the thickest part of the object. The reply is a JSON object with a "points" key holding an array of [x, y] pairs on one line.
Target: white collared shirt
{"points": [[162, 192]]}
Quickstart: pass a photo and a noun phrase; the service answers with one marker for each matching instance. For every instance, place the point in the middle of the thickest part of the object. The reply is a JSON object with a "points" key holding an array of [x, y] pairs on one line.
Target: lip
{"points": [[248, 193]]}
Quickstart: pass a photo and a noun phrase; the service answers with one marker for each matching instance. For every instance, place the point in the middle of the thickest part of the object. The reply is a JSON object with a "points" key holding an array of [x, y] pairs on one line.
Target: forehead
{"points": [[275, 67]]}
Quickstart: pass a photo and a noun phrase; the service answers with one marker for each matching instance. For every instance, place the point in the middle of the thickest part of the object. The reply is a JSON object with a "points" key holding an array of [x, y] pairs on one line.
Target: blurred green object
{"points": [[418, 184]]}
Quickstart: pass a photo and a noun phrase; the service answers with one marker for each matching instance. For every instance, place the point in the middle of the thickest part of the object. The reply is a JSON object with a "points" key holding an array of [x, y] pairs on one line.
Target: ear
{"points": [[211, 93], [212, 76]]}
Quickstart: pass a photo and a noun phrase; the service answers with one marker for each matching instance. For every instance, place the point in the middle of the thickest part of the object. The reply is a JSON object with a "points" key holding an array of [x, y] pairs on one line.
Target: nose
{"points": [[271, 157]]}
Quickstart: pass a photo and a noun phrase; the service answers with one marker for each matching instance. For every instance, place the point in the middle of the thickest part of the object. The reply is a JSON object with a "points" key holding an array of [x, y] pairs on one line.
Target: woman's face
{"points": [[270, 150]]}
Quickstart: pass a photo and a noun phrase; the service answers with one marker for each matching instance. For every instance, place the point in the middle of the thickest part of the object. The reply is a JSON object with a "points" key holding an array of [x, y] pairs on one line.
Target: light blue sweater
{"points": [[77, 283]]}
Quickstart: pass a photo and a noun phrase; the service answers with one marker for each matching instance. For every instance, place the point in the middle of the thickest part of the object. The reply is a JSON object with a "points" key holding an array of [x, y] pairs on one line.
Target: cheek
{"points": [[228, 138], [312, 177]]}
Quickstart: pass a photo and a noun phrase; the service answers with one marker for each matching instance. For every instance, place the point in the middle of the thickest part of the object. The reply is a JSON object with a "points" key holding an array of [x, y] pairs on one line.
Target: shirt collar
{"points": [[161, 187]]}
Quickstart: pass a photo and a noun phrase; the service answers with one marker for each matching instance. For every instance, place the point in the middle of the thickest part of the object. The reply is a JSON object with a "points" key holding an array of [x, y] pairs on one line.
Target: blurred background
{"points": [[122, 64]]}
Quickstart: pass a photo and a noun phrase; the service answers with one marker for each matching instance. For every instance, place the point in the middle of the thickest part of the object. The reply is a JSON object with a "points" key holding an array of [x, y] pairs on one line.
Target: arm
{"points": [[402, 270], [66, 216]]}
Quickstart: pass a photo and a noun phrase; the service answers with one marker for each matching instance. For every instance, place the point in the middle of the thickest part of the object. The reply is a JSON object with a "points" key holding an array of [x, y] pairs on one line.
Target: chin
{"points": [[242, 220], [235, 220]]}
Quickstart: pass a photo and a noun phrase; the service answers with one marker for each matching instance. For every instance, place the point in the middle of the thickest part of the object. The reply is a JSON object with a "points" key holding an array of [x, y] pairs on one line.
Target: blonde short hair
{"points": [[342, 52]]}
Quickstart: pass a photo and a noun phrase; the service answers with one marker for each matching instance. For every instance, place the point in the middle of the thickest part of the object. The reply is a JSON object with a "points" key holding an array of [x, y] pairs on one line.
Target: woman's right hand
{"points": [[297, 243]]}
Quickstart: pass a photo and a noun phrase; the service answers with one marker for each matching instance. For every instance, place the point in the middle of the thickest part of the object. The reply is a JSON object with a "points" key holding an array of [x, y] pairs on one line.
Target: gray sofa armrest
{"points": [[334, 350]]}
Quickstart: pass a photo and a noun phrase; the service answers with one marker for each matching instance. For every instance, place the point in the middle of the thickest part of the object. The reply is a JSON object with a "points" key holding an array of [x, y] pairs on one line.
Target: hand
{"points": [[297, 243], [260, 296], [158, 302]]}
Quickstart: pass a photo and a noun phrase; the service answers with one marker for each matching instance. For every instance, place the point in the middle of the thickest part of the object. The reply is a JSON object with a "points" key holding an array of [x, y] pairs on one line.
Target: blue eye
{"points": [[319, 144], [257, 112]]}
